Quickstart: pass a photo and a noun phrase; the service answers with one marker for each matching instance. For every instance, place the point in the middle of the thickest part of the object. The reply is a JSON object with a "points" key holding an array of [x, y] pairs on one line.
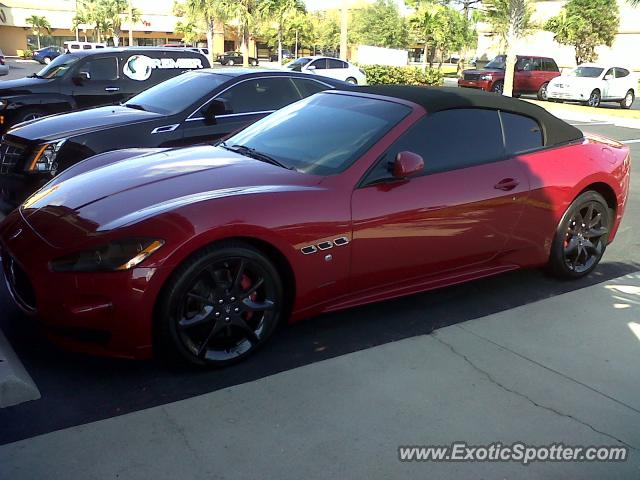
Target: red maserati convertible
{"points": [[341, 199]]}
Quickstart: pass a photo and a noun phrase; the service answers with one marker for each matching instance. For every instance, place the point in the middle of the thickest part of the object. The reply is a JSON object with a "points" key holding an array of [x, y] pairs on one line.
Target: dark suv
{"points": [[91, 78], [532, 75]]}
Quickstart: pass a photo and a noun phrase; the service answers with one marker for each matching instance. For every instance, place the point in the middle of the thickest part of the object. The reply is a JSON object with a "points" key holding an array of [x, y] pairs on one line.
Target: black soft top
{"points": [[437, 99]]}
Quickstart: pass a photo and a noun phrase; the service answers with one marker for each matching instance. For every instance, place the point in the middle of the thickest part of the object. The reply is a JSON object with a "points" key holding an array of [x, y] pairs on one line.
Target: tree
{"points": [[380, 25], [245, 12], [113, 12], [132, 16], [78, 19], [38, 23], [279, 12], [511, 19], [188, 32], [582, 25], [208, 12], [326, 32]]}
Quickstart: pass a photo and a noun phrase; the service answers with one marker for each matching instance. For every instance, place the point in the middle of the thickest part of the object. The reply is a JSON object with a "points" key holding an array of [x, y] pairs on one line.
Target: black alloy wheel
{"points": [[582, 236], [220, 306], [498, 87]]}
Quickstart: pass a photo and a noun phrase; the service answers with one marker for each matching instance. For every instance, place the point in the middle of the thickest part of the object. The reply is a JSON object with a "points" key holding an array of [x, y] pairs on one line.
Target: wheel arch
{"points": [[607, 193]]}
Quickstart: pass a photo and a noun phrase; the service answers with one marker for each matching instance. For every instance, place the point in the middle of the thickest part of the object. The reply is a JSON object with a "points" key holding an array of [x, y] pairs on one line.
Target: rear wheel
{"points": [[220, 306], [628, 100], [542, 92], [594, 99], [498, 87], [352, 81], [254, 63], [231, 63], [47, 60], [581, 237]]}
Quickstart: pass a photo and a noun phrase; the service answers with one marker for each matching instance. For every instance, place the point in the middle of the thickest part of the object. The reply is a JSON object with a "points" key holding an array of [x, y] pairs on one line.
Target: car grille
{"points": [[10, 157], [19, 284], [472, 76]]}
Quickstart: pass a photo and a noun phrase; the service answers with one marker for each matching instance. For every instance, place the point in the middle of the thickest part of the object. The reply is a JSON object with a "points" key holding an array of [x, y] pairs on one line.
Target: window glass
{"points": [[550, 65], [587, 72], [261, 94], [320, 64], [521, 133], [297, 65], [450, 140], [86, 47], [177, 93], [101, 68], [536, 64], [609, 72], [308, 87], [323, 134], [622, 72], [59, 67], [333, 63]]}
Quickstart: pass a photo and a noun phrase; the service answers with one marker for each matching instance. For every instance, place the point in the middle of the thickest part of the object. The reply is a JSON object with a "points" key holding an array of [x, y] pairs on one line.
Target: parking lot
{"points": [[77, 390]]}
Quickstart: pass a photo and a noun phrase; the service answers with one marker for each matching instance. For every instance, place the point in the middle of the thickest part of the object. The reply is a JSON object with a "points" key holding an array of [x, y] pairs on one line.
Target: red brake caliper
{"points": [[246, 285]]}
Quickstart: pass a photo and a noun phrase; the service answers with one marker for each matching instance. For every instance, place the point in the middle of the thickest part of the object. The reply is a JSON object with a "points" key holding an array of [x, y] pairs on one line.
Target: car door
{"points": [[238, 106], [317, 67], [522, 79], [336, 69], [609, 84], [622, 83], [460, 213], [96, 82]]}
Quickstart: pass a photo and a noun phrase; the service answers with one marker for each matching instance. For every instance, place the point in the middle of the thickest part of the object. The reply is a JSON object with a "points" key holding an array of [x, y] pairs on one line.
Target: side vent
{"points": [[325, 245], [309, 250], [339, 242]]}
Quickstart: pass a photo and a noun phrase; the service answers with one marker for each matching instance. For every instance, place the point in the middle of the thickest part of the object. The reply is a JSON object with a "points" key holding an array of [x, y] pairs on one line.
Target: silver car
{"points": [[4, 68]]}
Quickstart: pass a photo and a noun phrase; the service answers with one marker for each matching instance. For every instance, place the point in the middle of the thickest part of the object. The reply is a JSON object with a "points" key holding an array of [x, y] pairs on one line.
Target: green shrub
{"points": [[385, 75], [26, 54]]}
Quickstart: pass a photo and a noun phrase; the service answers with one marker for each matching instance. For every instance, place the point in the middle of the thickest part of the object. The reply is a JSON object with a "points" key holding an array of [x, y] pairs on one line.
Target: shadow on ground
{"points": [[78, 389]]}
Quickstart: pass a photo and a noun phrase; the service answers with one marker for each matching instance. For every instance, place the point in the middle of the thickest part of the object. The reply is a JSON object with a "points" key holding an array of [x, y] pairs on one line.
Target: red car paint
{"points": [[472, 228]]}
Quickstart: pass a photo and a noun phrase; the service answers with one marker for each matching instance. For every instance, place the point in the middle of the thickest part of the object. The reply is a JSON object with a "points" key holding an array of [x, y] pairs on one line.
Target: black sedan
{"points": [[196, 107], [235, 58]]}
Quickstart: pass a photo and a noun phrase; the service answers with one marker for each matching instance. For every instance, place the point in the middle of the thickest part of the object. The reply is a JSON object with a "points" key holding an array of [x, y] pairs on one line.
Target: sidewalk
{"points": [[563, 369]]}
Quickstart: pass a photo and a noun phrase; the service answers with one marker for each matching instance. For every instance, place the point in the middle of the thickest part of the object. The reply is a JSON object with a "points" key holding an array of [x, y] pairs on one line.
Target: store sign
{"points": [[140, 67]]}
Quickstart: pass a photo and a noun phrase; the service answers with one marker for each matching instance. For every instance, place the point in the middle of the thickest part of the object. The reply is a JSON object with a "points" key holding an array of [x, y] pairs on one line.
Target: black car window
{"points": [[320, 64], [323, 134], [260, 95], [521, 133], [609, 72], [86, 47], [59, 67], [550, 65], [536, 64], [622, 72], [448, 140], [333, 63], [101, 68], [308, 87]]}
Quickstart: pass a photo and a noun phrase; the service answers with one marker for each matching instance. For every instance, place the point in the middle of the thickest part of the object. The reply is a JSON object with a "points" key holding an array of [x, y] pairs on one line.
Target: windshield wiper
{"points": [[253, 153], [135, 106]]}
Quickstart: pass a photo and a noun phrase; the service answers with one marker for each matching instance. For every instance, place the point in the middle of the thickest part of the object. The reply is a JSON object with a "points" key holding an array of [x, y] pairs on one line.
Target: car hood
{"points": [[484, 71], [129, 191], [569, 81], [77, 123], [23, 85]]}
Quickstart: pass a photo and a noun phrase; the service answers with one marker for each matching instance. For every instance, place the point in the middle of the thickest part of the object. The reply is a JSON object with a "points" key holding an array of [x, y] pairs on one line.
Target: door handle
{"points": [[112, 89], [506, 184]]}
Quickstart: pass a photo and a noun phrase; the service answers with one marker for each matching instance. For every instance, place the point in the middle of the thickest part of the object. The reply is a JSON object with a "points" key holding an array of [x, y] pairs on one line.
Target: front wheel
{"points": [[542, 92], [628, 100], [220, 306], [581, 237], [254, 63], [498, 87], [47, 60], [231, 63], [594, 99], [352, 81]]}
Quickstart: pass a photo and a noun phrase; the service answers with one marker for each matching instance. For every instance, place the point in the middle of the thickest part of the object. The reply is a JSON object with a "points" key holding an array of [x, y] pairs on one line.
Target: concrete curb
{"points": [[16, 385]]}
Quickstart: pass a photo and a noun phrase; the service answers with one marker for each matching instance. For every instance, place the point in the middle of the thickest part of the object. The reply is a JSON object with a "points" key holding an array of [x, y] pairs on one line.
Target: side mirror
{"points": [[216, 108], [82, 77], [311, 68], [407, 164], [608, 77]]}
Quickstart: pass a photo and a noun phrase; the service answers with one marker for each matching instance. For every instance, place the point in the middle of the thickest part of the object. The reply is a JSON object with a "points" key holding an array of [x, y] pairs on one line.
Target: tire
{"points": [[254, 63], [629, 98], [542, 92], [352, 81], [30, 114], [498, 87], [46, 60], [206, 331], [231, 63], [594, 99], [577, 249]]}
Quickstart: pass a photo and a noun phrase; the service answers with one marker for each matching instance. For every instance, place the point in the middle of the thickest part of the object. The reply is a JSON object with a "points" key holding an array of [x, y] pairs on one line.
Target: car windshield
{"points": [[59, 67], [323, 134], [498, 63], [178, 93], [587, 72], [298, 64]]}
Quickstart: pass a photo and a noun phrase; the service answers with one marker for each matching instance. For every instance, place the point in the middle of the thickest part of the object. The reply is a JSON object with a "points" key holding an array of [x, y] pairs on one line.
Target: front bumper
{"points": [[477, 84], [567, 95], [105, 314]]}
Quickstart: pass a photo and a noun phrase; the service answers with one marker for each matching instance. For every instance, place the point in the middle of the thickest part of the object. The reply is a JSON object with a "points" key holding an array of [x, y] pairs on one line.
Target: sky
{"points": [[326, 4]]}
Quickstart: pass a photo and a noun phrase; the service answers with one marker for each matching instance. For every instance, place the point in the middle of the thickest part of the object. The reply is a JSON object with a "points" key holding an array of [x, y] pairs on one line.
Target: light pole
{"points": [[344, 25]]}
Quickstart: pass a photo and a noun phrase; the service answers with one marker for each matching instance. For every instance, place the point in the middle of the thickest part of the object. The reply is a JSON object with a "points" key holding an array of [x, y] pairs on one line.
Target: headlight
{"points": [[45, 159], [114, 257], [486, 77]]}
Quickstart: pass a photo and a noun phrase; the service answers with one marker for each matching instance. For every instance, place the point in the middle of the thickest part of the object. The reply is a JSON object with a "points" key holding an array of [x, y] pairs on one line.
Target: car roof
{"points": [[253, 72], [436, 99], [101, 51]]}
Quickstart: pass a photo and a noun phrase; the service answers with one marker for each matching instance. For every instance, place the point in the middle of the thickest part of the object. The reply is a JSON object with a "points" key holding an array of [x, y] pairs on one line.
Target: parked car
{"points": [[329, 67], [202, 51], [593, 84], [47, 54], [532, 75], [286, 55], [4, 68], [338, 200], [72, 46], [235, 58], [195, 107], [91, 78]]}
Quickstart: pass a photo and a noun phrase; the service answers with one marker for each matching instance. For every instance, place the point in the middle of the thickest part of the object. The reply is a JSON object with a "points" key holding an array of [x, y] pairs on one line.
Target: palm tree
{"points": [[38, 23], [132, 16], [208, 11], [78, 19], [422, 23], [245, 12], [279, 11]]}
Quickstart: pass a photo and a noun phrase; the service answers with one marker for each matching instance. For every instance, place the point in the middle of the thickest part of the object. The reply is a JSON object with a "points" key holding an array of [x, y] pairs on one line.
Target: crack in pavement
{"points": [[491, 379]]}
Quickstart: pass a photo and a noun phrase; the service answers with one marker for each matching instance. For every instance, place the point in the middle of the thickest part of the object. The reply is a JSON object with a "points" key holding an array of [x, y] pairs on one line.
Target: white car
{"points": [[329, 67], [592, 84]]}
